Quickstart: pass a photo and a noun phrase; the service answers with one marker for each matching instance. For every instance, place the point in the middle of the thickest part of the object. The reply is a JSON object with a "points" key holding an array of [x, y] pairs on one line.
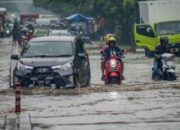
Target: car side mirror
{"points": [[14, 57]]}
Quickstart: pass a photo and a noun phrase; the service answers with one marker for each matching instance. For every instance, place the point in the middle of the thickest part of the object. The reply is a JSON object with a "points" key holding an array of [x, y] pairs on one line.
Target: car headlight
{"points": [[20, 66], [65, 66], [113, 63]]}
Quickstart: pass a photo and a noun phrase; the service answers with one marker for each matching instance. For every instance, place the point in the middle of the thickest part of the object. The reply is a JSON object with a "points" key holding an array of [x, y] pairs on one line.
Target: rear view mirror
{"points": [[14, 57]]}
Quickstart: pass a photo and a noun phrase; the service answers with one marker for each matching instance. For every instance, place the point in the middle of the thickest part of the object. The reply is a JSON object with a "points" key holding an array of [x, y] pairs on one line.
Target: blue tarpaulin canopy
{"points": [[78, 18]]}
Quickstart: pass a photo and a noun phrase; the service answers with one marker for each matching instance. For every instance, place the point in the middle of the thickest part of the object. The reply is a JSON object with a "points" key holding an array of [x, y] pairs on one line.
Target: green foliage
{"points": [[121, 14]]}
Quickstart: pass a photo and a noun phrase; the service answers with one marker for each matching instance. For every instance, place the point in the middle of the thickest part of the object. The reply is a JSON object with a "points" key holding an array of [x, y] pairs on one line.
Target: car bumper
{"points": [[58, 77]]}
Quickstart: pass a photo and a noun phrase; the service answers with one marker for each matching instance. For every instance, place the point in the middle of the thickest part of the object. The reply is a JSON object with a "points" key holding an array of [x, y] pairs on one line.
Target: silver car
{"points": [[59, 60]]}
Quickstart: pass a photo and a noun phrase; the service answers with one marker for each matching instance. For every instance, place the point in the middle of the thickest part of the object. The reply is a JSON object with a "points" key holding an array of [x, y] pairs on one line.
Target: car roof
{"points": [[54, 38], [60, 31]]}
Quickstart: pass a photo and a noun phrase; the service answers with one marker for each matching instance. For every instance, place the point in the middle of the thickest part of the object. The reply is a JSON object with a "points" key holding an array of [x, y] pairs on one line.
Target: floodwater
{"points": [[138, 104]]}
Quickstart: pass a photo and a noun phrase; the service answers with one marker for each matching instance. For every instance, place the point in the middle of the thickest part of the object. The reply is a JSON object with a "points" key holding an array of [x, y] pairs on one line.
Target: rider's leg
{"points": [[122, 64], [155, 69], [102, 69]]}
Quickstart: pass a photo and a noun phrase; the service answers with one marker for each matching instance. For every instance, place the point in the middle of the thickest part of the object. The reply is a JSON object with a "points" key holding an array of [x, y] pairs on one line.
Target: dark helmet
{"points": [[164, 40]]}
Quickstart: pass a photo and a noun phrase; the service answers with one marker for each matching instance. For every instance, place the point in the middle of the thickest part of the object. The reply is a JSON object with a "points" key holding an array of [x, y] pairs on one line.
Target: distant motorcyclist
{"points": [[23, 31], [111, 50], [160, 49], [15, 31]]}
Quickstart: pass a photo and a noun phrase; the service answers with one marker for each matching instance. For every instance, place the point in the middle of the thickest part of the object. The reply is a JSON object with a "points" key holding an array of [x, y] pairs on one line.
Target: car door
{"points": [[82, 61], [145, 36]]}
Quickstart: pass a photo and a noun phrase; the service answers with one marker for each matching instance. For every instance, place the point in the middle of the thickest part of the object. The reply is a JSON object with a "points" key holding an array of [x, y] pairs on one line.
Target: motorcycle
{"points": [[23, 40], [26, 36], [7, 32], [113, 70], [168, 68]]}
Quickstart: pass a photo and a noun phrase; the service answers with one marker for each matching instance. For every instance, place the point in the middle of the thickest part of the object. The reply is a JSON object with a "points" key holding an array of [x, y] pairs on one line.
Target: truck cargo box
{"points": [[159, 11]]}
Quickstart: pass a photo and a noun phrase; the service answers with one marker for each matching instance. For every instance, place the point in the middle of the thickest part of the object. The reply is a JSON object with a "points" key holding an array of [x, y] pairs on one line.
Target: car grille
{"points": [[42, 71]]}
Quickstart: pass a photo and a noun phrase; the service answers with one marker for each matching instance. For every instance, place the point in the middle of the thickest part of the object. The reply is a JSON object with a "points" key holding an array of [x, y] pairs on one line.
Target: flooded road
{"points": [[137, 110], [5, 52], [138, 104]]}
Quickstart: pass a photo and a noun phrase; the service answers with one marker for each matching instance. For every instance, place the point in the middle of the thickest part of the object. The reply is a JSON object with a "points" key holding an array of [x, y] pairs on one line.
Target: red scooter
{"points": [[113, 70]]}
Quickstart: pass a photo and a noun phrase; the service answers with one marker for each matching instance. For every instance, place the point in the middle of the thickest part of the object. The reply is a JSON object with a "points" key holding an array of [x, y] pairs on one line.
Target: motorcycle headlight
{"points": [[113, 63], [65, 66], [20, 66], [7, 31]]}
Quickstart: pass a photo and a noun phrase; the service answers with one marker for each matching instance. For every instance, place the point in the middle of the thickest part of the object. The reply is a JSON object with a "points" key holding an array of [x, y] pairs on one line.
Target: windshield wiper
{"points": [[62, 55], [37, 56], [30, 56]]}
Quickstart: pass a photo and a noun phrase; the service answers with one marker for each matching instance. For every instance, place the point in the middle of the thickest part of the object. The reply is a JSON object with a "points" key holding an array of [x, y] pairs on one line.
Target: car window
{"points": [[48, 49], [145, 30]]}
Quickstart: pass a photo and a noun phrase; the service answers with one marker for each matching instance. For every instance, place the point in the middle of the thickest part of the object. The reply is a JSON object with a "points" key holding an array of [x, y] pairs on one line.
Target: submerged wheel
{"points": [[114, 80], [76, 82], [171, 76], [88, 83]]}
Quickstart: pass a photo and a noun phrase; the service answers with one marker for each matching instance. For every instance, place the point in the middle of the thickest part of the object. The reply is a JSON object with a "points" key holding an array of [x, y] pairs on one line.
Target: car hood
{"points": [[35, 62]]}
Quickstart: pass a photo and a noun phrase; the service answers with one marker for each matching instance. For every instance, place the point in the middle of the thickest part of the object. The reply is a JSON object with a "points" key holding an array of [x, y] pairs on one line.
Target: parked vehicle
{"points": [[158, 18], [59, 33], [48, 60], [168, 68], [3, 13], [113, 71]]}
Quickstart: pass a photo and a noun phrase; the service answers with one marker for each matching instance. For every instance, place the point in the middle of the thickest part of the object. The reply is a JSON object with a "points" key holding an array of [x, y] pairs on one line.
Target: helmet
{"points": [[112, 39], [164, 40], [106, 38]]}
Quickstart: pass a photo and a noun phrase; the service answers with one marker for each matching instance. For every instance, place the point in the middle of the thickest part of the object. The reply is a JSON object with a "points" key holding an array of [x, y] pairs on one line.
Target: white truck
{"points": [[158, 18]]}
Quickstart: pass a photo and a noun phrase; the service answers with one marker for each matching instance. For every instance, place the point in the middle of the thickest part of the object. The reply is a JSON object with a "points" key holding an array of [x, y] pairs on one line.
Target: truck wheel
{"points": [[149, 53]]}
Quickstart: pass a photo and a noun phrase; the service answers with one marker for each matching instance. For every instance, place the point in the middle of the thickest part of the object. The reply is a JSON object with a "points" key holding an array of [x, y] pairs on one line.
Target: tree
{"points": [[120, 14]]}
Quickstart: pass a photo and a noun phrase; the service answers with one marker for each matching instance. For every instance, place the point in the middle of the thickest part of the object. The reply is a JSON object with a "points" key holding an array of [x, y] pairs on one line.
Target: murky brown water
{"points": [[138, 104]]}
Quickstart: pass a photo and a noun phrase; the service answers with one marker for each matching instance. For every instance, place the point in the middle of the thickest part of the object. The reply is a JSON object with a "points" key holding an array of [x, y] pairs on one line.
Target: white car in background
{"points": [[59, 33]]}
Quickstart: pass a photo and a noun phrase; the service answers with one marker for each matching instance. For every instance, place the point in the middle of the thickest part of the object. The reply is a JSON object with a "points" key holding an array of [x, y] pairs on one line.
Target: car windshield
{"points": [[168, 28], [48, 49]]}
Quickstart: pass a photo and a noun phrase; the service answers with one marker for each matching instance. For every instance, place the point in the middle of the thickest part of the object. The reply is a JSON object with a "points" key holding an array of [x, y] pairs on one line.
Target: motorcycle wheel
{"points": [[171, 76], [114, 80]]}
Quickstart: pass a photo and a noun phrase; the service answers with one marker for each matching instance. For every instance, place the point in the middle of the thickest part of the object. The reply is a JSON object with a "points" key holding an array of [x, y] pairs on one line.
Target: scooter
{"points": [[113, 70], [168, 68]]}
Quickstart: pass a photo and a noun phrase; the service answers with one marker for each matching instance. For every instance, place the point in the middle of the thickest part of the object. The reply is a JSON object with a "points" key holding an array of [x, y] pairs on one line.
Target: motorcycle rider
{"points": [[160, 49], [105, 45], [112, 49]]}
